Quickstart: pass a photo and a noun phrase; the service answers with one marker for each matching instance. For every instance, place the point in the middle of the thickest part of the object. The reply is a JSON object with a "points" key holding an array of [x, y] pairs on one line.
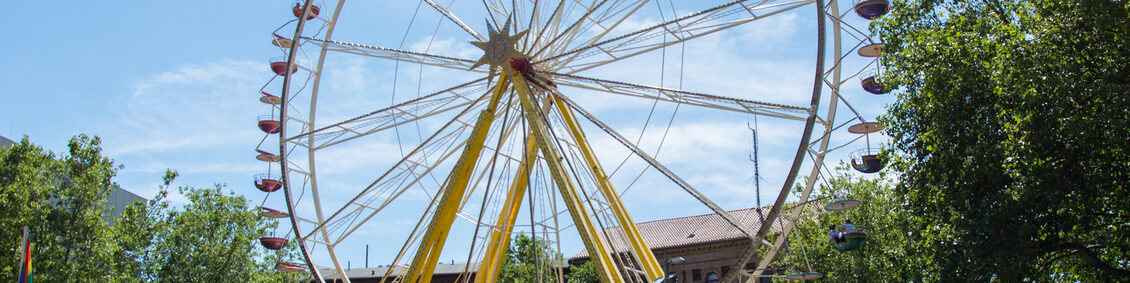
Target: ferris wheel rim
{"points": [[311, 170]]}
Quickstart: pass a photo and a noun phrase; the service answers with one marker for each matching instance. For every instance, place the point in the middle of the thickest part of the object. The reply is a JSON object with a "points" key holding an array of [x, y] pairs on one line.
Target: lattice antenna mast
{"points": [[756, 168]]}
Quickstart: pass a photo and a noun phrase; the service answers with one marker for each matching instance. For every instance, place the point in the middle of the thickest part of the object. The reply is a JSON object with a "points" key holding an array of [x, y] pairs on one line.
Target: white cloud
{"points": [[197, 119], [193, 107]]}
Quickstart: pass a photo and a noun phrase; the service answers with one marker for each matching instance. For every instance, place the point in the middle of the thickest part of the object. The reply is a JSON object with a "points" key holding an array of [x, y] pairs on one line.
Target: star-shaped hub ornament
{"points": [[499, 48]]}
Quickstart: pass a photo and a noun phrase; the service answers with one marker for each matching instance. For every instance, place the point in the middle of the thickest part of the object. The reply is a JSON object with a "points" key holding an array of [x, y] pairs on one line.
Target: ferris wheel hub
{"points": [[499, 48]]}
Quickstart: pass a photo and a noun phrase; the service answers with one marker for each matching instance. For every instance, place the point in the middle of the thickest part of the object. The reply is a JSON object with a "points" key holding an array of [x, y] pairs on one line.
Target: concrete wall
{"points": [[118, 200], [5, 142]]}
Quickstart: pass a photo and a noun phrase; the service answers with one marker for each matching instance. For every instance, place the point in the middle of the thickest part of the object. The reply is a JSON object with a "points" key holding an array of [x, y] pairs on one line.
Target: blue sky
{"points": [[148, 77], [174, 84]]}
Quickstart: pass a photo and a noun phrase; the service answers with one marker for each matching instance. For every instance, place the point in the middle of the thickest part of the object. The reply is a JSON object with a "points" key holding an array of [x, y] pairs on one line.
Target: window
{"points": [[712, 278], [725, 270], [696, 275]]}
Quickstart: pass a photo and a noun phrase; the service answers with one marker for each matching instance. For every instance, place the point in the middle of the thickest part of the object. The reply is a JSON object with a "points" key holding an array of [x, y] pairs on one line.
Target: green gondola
{"points": [[804, 276], [852, 241]]}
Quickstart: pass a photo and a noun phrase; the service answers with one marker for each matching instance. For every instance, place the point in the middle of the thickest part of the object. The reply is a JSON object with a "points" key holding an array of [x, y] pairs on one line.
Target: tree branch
{"points": [[996, 6], [1094, 260], [1056, 258]]}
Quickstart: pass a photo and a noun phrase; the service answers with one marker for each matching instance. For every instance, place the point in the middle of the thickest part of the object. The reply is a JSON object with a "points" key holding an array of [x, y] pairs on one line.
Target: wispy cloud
{"points": [[193, 107], [197, 119]]}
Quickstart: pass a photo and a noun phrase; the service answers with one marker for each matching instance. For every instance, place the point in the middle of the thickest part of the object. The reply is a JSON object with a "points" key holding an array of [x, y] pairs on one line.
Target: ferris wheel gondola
{"points": [[871, 9], [867, 160]]}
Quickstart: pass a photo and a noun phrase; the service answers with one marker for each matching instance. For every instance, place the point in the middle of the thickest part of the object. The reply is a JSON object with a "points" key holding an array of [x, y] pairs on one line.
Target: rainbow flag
{"points": [[25, 260]]}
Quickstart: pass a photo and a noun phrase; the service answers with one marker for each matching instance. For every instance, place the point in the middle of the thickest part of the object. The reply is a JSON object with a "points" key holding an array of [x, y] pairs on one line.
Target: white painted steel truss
{"points": [[564, 40]]}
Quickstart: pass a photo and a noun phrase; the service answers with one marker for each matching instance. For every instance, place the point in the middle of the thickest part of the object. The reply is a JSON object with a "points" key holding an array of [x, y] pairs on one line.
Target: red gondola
{"points": [[273, 243], [269, 124], [278, 65], [289, 267], [272, 213], [267, 156], [267, 183], [313, 13], [281, 41]]}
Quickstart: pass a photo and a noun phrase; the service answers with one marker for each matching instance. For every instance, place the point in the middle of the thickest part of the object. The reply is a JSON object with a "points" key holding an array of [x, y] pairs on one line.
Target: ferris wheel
{"points": [[453, 137]]}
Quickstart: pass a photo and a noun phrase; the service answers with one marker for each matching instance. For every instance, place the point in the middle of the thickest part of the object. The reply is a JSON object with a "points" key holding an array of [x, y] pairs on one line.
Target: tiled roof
{"points": [[689, 230]]}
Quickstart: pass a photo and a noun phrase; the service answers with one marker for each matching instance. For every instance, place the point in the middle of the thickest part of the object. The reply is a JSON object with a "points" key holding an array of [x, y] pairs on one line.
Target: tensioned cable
{"points": [[567, 30], [804, 250], [601, 208], [396, 73], [571, 167], [420, 148], [670, 120], [490, 176], [654, 103], [419, 90], [552, 17], [662, 77], [661, 168], [487, 8]]}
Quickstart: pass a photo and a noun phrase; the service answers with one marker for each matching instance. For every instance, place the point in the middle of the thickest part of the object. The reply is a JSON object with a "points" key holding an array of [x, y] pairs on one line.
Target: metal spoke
{"points": [[682, 29], [685, 97], [391, 117], [662, 169], [455, 19], [562, 40], [397, 55], [409, 171]]}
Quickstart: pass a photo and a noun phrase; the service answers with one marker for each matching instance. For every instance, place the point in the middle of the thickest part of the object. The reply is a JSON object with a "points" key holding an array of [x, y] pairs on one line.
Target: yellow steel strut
{"points": [[594, 244], [647, 258], [500, 236], [427, 255]]}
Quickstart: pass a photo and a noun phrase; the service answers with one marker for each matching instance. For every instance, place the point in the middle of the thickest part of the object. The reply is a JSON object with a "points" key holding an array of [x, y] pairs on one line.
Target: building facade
{"points": [[708, 243]]}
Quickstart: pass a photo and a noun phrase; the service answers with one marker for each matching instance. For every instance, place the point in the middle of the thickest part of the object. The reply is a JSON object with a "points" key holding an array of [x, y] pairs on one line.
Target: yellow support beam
{"points": [[500, 236], [594, 244], [427, 255], [646, 257]]}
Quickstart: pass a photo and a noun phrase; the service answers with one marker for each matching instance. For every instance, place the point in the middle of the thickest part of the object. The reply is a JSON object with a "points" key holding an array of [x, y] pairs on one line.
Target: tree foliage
{"points": [[62, 200], [529, 259], [899, 245], [1012, 116], [582, 273], [213, 238]]}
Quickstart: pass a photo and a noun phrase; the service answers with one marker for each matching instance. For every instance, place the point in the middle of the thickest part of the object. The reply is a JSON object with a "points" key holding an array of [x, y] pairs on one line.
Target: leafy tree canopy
{"points": [[213, 238], [899, 247], [62, 200], [582, 273], [1013, 116], [529, 259]]}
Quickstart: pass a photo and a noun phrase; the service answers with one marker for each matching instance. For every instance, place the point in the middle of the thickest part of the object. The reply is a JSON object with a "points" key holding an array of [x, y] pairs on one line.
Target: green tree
{"points": [[213, 238], [529, 260], [1013, 117], [899, 244], [583, 273], [61, 199]]}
